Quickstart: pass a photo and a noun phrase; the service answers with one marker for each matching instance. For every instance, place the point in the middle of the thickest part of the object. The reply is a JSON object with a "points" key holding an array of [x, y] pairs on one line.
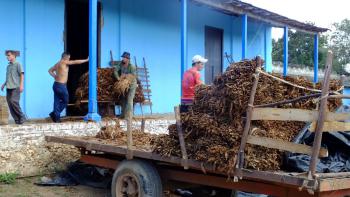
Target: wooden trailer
{"points": [[140, 172], [153, 168]]}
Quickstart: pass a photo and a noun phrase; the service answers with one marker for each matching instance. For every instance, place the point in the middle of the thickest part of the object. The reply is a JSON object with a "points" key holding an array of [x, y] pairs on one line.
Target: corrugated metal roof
{"points": [[235, 7]]}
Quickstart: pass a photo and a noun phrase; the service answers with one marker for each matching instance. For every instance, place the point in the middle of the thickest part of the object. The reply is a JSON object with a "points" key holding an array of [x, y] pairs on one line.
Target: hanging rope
{"points": [[295, 85]]}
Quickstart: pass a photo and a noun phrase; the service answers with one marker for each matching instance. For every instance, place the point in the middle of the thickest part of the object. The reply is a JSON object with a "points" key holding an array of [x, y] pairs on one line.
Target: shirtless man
{"points": [[60, 73]]}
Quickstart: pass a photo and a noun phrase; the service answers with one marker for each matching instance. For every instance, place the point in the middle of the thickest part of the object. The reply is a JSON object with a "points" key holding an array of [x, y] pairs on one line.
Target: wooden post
{"points": [[111, 53], [181, 138], [143, 124], [240, 157], [321, 117], [129, 154]]}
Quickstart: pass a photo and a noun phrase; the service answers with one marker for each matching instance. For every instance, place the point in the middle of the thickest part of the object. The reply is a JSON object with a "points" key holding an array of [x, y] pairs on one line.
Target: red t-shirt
{"points": [[191, 78]]}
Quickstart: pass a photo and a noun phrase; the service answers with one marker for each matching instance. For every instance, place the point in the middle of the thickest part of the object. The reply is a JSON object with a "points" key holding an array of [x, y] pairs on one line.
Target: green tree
{"points": [[340, 44], [277, 50], [300, 49]]}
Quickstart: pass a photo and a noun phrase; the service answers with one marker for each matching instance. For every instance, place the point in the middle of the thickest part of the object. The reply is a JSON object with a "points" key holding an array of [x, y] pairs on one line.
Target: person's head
{"points": [[65, 56], [11, 55], [198, 62], [126, 57]]}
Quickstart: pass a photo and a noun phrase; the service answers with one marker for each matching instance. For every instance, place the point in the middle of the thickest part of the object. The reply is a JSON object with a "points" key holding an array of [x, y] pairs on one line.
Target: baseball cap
{"points": [[198, 58]]}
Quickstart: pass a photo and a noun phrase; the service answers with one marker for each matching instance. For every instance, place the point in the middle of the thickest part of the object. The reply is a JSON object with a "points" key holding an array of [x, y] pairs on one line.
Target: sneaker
{"points": [[53, 117], [19, 122], [22, 121]]}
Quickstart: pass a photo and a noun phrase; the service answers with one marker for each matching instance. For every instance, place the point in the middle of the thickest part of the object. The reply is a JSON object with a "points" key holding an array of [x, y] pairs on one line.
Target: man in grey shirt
{"points": [[14, 86]]}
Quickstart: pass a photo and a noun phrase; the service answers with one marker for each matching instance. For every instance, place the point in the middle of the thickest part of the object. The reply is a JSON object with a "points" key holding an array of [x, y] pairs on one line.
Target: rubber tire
{"points": [[145, 172]]}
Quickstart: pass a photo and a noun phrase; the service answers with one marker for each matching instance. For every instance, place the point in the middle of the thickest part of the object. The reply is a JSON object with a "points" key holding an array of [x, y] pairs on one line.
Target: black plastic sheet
{"points": [[337, 143], [79, 173]]}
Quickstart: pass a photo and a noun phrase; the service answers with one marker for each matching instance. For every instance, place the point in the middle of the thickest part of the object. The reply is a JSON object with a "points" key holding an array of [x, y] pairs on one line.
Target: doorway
{"points": [[213, 52], [77, 44]]}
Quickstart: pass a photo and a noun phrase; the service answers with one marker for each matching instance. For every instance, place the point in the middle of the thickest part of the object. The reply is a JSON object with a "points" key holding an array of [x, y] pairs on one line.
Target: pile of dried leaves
{"points": [[123, 84], [108, 88], [113, 134], [213, 126]]}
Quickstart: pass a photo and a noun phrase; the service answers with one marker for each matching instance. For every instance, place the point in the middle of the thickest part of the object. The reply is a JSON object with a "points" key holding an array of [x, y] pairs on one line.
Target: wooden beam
{"points": [[332, 126], [129, 153], [295, 115], [288, 101], [245, 135], [284, 114], [283, 145]]}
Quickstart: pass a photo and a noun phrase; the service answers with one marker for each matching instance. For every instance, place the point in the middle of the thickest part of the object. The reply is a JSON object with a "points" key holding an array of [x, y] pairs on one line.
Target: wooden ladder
{"points": [[143, 76]]}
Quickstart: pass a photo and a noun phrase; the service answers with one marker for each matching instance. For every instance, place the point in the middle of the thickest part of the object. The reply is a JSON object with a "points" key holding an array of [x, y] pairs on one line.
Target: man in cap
{"points": [[124, 67], [191, 79]]}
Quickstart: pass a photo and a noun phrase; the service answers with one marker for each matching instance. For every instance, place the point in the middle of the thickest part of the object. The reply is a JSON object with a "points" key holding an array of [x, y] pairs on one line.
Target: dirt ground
{"points": [[26, 188]]}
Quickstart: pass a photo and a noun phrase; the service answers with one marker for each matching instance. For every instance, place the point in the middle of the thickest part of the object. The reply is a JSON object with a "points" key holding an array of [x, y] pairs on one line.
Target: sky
{"points": [[322, 12]]}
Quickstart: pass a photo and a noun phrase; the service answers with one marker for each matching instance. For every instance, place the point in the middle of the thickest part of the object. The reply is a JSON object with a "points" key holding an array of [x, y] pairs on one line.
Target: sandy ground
{"points": [[26, 188]]}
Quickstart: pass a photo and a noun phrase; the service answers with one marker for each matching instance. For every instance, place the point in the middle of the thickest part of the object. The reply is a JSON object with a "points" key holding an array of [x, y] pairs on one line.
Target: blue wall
{"points": [[44, 45], [11, 35], [110, 32], [36, 29], [149, 29], [346, 92]]}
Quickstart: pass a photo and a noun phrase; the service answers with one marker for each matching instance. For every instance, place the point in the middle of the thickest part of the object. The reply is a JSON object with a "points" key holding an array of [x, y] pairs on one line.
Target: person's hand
{"points": [[21, 88], [87, 59], [2, 87]]}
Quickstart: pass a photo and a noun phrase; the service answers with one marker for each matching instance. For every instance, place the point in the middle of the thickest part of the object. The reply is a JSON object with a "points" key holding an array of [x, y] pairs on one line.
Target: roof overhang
{"points": [[236, 7]]}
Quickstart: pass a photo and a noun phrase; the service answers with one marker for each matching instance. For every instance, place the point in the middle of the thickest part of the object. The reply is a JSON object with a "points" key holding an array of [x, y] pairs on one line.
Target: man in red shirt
{"points": [[191, 79]]}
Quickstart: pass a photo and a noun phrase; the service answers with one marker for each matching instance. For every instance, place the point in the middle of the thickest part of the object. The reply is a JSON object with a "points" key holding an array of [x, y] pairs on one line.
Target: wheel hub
{"points": [[128, 186]]}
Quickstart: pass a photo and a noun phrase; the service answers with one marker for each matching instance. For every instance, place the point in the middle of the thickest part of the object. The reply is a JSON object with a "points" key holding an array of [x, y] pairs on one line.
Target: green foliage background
{"points": [[301, 47]]}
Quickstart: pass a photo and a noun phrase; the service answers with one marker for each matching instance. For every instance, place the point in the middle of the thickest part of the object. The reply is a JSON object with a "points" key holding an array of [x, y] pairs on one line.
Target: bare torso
{"points": [[62, 70]]}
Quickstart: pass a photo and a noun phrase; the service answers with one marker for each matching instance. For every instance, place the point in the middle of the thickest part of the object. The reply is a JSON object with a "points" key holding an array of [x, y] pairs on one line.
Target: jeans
{"points": [[60, 99], [13, 97]]}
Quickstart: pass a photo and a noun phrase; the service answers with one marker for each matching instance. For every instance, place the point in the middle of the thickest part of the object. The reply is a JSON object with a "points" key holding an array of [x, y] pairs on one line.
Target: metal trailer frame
{"points": [[100, 153]]}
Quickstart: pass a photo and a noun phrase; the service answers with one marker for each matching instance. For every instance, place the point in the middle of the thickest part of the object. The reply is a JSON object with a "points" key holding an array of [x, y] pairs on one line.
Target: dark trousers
{"points": [[185, 105], [13, 96], [60, 98], [128, 102]]}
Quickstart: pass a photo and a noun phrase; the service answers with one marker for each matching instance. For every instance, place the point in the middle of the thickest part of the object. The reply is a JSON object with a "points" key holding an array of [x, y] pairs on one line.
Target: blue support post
{"points": [[183, 37], [92, 114], [285, 51], [316, 58], [268, 67], [244, 35]]}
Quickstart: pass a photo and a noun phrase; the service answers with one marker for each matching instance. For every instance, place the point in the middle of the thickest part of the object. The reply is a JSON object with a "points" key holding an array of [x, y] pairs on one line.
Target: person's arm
{"points": [[75, 62], [133, 70], [52, 71], [21, 86], [197, 78], [116, 71], [3, 86]]}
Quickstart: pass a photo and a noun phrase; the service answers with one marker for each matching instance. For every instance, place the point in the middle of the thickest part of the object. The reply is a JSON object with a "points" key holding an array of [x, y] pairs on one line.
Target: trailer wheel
{"points": [[136, 178]]}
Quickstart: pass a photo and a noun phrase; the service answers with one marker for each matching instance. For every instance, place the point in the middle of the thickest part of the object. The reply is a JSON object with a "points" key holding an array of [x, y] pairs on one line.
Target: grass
{"points": [[8, 178]]}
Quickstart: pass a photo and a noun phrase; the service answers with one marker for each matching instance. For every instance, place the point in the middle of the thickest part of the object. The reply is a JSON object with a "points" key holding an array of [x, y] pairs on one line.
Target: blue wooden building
{"points": [[166, 32]]}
